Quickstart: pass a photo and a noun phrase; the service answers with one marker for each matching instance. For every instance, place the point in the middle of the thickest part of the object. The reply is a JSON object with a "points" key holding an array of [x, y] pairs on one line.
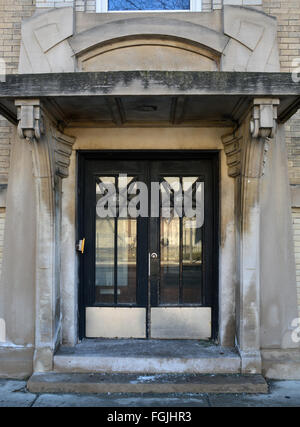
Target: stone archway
{"points": [[149, 53]]}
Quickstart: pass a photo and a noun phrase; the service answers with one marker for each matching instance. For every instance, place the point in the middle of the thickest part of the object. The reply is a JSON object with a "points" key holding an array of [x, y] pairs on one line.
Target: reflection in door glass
{"points": [[169, 252], [181, 241], [126, 272], [104, 280], [191, 263], [116, 246]]}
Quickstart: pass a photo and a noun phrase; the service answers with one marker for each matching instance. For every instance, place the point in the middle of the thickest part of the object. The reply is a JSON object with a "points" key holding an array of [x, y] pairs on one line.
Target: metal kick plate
{"points": [[181, 322], [115, 322]]}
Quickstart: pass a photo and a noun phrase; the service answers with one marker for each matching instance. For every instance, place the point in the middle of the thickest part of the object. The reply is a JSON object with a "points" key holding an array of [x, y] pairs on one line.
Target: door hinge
{"points": [[81, 246]]}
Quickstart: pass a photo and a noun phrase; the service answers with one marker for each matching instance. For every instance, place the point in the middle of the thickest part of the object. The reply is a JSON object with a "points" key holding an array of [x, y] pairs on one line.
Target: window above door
{"points": [[103, 6]]}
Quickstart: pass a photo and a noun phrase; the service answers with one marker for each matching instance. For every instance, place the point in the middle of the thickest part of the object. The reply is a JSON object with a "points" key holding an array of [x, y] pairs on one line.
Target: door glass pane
{"points": [[192, 242], [114, 5], [182, 204], [104, 275], [126, 271], [116, 243], [169, 284], [192, 263]]}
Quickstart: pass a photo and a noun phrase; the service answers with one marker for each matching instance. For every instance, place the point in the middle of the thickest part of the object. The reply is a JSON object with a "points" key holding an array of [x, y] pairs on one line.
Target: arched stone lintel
{"points": [[166, 53], [245, 42], [150, 26], [149, 53]]}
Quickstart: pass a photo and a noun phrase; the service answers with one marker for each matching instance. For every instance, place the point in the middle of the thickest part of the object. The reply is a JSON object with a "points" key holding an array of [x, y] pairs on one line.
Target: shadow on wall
{"points": [[2, 331]]}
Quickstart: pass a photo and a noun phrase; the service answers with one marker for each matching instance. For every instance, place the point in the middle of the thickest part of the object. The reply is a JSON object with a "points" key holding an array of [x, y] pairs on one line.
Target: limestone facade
{"points": [[288, 18], [11, 15], [233, 39]]}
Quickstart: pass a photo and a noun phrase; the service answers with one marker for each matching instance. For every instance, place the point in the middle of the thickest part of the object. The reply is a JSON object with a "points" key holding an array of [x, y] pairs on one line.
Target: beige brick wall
{"points": [[56, 3], [287, 13], [11, 14], [293, 146]]}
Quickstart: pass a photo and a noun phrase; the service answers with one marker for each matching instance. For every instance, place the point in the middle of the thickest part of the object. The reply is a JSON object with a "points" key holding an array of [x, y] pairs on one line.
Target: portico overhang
{"points": [[252, 151], [137, 98]]}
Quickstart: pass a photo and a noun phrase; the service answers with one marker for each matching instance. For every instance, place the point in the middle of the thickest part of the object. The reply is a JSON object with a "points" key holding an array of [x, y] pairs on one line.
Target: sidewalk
{"points": [[282, 393]]}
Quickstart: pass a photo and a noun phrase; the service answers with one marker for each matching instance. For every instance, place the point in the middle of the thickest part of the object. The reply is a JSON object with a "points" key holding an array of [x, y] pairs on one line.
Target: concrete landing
{"points": [[134, 383], [147, 357], [281, 364]]}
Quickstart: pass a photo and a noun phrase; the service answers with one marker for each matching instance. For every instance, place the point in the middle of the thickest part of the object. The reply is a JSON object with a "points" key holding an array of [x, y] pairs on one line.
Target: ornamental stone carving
{"points": [[30, 119], [232, 147], [38, 127], [264, 118], [247, 146], [62, 145]]}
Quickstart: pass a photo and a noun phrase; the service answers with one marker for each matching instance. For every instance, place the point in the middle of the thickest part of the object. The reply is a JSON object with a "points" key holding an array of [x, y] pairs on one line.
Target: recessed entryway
{"points": [[151, 275]]}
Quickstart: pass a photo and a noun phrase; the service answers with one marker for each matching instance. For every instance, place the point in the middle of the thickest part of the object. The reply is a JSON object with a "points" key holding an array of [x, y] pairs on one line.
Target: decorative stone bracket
{"points": [[32, 125], [232, 147], [30, 119], [51, 151], [246, 151], [264, 119], [62, 145]]}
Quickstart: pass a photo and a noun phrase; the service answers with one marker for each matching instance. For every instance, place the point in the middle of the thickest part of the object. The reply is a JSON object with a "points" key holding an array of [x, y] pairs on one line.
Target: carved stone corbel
{"points": [[232, 148], [30, 119], [264, 117], [62, 146]]}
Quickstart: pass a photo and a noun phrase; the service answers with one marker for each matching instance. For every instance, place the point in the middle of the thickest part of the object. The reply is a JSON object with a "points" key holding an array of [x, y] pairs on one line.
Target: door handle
{"points": [[81, 246], [153, 264]]}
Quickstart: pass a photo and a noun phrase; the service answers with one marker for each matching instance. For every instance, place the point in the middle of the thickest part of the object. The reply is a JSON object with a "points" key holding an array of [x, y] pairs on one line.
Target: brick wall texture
{"points": [[11, 15], [287, 13]]}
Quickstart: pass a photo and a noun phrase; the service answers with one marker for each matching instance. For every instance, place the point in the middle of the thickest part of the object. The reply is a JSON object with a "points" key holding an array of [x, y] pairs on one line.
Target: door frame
{"points": [[212, 155]]}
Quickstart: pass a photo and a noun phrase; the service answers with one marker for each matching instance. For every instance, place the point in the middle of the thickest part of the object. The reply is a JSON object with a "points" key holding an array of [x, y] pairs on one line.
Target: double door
{"points": [[148, 268]]}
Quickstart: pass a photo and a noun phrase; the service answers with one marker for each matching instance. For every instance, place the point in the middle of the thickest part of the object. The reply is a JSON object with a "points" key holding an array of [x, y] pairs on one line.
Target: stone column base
{"points": [[251, 362]]}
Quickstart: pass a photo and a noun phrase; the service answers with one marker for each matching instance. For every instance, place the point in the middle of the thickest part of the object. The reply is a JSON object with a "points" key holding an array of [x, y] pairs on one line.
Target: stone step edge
{"points": [[158, 365], [129, 383]]}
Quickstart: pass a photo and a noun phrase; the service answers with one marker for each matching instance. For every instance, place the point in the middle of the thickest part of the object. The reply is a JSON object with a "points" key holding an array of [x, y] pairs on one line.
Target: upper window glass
{"points": [[104, 6], [115, 5]]}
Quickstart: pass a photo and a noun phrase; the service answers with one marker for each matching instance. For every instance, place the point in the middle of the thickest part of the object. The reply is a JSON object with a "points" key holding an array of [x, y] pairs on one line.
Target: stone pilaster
{"points": [[51, 151], [246, 154]]}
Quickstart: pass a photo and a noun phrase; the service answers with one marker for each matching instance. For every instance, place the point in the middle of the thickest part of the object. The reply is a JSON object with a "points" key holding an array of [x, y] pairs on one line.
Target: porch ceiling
{"points": [[140, 98]]}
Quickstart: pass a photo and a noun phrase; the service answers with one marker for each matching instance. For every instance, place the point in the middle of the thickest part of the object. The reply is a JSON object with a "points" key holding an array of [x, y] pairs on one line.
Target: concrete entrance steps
{"points": [[147, 357], [135, 383]]}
